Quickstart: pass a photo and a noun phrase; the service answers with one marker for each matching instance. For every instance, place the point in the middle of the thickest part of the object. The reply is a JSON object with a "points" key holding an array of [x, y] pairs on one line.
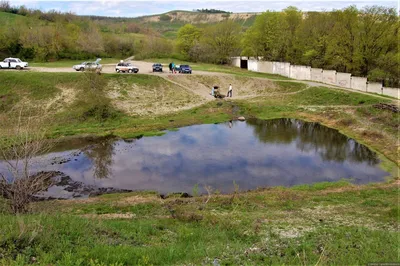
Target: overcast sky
{"points": [[135, 8]]}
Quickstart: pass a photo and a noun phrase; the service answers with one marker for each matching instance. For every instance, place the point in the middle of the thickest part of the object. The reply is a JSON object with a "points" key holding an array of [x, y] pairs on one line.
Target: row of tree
{"points": [[34, 34], [362, 42]]}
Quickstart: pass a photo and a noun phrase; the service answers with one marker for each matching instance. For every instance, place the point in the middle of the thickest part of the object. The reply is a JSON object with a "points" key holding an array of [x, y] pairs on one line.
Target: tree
{"points": [[23, 139], [344, 40], [266, 37], [224, 39], [379, 29], [312, 39], [187, 37], [293, 18]]}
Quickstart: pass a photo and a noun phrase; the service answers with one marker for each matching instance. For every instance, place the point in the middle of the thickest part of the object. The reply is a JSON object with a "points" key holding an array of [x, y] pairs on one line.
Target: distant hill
{"points": [[167, 24], [196, 17]]}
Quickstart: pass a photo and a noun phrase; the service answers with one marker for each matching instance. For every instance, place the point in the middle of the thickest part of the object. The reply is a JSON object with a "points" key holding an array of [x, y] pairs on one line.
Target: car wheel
{"points": [[81, 69], [117, 70], [130, 71], [136, 71], [190, 72], [18, 67]]}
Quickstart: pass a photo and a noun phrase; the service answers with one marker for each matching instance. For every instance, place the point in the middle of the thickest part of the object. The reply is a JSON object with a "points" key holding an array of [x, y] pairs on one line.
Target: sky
{"points": [[133, 8]]}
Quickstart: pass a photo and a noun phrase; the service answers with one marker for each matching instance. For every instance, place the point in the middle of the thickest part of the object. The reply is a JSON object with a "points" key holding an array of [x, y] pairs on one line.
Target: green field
{"points": [[323, 224]]}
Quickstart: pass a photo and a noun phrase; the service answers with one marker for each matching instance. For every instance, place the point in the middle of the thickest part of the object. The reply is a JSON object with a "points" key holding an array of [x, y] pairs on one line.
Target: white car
{"points": [[126, 67], [13, 63], [88, 66]]}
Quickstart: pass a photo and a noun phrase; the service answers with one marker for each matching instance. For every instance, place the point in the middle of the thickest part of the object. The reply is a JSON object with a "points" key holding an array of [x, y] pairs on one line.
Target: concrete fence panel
{"points": [[300, 72], [343, 79], [329, 76], [374, 87], [265, 67], [235, 61], [359, 84], [252, 65], [393, 92], [281, 68], [316, 74]]}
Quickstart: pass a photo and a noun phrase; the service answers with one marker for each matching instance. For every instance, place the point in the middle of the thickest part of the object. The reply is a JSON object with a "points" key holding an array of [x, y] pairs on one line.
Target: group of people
{"points": [[229, 94]]}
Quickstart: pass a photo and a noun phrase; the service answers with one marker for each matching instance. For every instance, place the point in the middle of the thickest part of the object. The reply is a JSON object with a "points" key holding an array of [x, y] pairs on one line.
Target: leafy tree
{"points": [[224, 40], [266, 37], [344, 40], [188, 36], [379, 29]]}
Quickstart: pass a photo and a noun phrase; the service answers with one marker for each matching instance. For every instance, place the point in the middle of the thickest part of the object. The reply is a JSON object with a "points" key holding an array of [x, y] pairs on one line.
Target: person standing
{"points": [[173, 68], [229, 91], [170, 67]]}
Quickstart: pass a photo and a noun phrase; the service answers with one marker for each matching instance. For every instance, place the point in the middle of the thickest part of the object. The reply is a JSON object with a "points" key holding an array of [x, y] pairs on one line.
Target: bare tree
{"points": [[22, 140]]}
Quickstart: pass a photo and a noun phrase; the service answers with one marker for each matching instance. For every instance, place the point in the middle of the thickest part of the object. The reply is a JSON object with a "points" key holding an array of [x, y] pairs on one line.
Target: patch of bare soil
{"points": [[196, 17], [152, 100], [62, 99], [133, 200], [110, 216], [242, 86]]}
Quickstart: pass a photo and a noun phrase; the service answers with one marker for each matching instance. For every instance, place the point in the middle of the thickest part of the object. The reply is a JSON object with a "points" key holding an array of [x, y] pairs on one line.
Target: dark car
{"points": [[157, 67], [185, 69]]}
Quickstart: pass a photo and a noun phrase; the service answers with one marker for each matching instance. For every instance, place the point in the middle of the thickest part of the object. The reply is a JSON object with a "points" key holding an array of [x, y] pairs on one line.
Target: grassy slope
{"points": [[8, 18], [324, 224], [70, 63]]}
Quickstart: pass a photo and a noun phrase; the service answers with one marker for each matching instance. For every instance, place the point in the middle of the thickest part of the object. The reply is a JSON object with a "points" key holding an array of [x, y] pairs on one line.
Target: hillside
{"points": [[197, 17], [168, 23]]}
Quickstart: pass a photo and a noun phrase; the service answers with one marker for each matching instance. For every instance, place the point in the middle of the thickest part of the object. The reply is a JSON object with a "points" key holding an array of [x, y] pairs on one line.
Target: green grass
{"points": [[70, 63], [321, 225], [217, 68]]}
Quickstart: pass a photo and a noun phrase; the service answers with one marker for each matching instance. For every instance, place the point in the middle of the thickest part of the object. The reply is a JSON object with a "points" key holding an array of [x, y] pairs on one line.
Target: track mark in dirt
{"points": [[201, 93]]}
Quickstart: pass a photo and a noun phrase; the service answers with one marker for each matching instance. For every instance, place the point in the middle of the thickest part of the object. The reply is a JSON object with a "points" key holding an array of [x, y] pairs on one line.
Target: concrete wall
{"points": [[235, 61], [343, 79], [316, 74], [300, 72], [329, 77], [265, 67], [359, 84], [374, 87], [252, 65], [281, 68], [393, 92]]}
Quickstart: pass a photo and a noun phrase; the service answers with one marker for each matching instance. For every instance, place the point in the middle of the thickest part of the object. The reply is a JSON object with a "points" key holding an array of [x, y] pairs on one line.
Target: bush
{"points": [[165, 17]]}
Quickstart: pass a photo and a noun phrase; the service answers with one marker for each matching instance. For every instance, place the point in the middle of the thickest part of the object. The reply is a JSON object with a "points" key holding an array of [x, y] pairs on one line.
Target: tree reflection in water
{"points": [[327, 142], [101, 155]]}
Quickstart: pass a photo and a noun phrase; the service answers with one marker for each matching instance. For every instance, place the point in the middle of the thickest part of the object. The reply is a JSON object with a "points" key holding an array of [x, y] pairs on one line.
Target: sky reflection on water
{"points": [[256, 153]]}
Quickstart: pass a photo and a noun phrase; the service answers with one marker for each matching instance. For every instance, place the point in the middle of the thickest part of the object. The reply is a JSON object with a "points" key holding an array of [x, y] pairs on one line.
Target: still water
{"points": [[255, 153]]}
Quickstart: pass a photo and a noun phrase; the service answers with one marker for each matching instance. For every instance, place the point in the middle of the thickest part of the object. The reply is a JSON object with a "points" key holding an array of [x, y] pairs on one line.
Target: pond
{"points": [[246, 155]]}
